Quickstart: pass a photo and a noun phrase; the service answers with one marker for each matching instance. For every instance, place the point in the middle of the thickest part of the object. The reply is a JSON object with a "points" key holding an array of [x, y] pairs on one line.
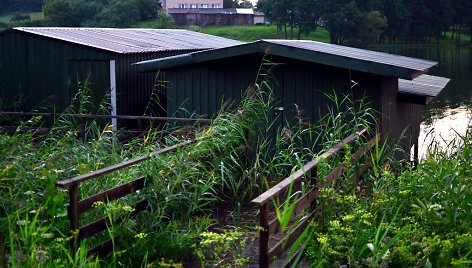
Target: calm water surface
{"points": [[449, 113]]}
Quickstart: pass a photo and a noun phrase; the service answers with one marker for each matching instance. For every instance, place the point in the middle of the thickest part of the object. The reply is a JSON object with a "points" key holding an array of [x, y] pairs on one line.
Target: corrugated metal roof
{"points": [[310, 51], [133, 40], [357, 53], [424, 85]]}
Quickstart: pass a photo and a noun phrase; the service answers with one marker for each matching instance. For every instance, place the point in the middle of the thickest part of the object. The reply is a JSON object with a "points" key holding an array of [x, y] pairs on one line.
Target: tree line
{"points": [[360, 22], [80, 13]]}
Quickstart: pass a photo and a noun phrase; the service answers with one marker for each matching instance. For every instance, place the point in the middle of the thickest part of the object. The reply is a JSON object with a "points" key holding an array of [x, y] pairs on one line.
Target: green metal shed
{"points": [[395, 85], [40, 67]]}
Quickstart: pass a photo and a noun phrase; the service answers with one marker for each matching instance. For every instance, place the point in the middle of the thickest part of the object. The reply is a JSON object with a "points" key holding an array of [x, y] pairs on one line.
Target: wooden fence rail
{"points": [[83, 117], [78, 207], [3, 252], [271, 227], [102, 116]]}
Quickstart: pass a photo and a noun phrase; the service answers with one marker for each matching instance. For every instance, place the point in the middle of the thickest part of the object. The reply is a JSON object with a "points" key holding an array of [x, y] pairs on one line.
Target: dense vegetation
{"points": [[355, 23], [398, 216], [361, 22], [419, 217]]}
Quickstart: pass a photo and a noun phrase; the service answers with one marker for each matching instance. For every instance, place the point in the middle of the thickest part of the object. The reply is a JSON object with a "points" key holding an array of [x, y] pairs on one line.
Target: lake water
{"points": [[449, 114]]}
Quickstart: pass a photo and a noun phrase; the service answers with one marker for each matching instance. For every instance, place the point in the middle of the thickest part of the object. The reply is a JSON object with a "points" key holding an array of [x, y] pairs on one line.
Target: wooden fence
{"points": [[83, 117], [271, 227], [78, 207]]}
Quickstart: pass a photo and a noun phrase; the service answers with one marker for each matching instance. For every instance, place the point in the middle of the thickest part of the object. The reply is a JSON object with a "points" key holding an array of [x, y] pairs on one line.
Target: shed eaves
{"points": [[357, 53], [424, 85], [310, 51], [133, 40]]}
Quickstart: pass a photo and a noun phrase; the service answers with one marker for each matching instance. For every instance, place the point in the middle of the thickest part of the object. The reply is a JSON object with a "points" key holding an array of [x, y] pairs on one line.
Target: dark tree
{"points": [[72, 13], [289, 15], [237, 4], [119, 13], [398, 18]]}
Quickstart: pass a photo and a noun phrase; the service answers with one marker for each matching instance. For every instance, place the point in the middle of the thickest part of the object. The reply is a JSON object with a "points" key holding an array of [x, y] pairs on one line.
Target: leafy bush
{"points": [[164, 21], [419, 217]]}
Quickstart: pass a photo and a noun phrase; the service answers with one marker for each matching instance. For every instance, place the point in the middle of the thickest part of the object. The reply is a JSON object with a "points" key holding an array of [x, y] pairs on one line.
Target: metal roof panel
{"points": [[322, 53], [424, 85], [360, 54], [133, 40]]}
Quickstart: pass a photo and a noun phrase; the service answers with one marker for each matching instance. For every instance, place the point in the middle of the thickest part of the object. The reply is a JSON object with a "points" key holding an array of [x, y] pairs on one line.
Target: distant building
{"points": [[191, 4], [216, 16]]}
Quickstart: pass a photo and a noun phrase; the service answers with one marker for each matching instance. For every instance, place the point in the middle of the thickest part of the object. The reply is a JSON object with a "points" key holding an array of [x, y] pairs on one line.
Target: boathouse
{"points": [[396, 86], [40, 68]]}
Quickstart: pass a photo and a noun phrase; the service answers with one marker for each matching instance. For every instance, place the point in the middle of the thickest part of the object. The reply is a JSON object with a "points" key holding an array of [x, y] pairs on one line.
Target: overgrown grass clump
{"points": [[419, 217], [182, 186], [397, 216]]}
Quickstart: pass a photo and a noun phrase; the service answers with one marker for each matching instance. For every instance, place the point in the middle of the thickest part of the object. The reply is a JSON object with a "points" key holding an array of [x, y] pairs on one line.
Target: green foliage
{"points": [[301, 14], [237, 4], [73, 13], [224, 249], [119, 13], [418, 217], [164, 21]]}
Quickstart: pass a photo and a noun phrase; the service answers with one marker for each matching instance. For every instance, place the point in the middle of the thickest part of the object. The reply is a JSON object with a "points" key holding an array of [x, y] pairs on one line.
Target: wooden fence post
{"points": [[314, 182], [264, 236], [74, 217], [3, 252]]}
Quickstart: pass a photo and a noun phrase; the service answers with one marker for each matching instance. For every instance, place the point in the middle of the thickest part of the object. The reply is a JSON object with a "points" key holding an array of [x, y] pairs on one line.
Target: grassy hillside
{"points": [[35, 19], [255, 32]]}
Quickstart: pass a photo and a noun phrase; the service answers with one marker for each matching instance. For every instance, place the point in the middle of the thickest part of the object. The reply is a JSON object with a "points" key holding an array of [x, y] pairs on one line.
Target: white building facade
{"points": [[186, 4]]}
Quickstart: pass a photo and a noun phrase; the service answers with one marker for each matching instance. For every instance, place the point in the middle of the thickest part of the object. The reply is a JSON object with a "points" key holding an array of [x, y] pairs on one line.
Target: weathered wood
{"points": [[333, 175], [104, 247], [290, 238], [291, 259], [106, 170], [103, 116], [74, 216], [3, 252], [100, 225], [264, 236], [341, 169], [111, 194], [307, 198], [298, 175]]}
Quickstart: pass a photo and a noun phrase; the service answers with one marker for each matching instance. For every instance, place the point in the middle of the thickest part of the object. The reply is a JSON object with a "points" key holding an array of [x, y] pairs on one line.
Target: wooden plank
{"points": [[264, 236], [100, 225], [106, 170], [362, 151], [333, 175], [298, 175], [288, 240], [292, 259], [341, 169], [104, 247], [102, 116], [73, 216], [111, 194], [302, 202], [3, 252]]}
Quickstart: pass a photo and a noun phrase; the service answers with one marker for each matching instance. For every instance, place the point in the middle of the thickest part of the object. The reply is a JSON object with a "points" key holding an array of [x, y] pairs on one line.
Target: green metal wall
{"points": [[202, 88], [37, 69], [43, 72]]}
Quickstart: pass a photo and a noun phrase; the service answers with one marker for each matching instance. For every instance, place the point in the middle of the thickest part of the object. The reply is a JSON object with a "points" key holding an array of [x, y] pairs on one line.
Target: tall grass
{"points": [[399, 218]]}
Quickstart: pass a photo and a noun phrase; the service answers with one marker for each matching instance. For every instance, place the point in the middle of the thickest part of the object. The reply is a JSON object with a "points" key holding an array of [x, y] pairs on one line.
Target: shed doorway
{"points": [[100, 77]]}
